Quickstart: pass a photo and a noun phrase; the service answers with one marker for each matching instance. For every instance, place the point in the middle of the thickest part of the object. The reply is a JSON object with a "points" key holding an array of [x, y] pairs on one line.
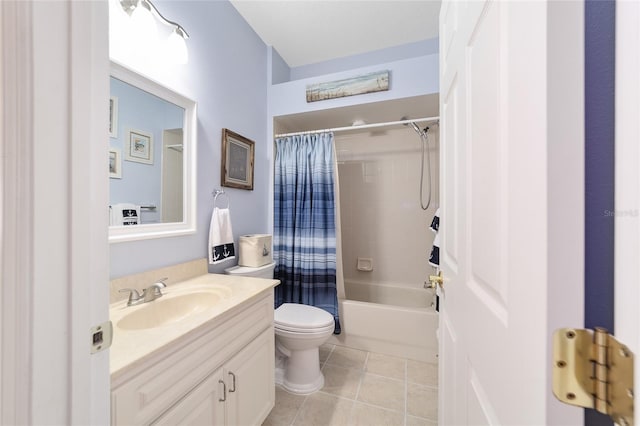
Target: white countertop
{"points": [[129, 346]]}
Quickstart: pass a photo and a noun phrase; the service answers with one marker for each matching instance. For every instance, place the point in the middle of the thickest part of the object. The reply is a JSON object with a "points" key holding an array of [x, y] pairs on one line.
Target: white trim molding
{"points": [[54, 238], [17, 221], [627, 179]]}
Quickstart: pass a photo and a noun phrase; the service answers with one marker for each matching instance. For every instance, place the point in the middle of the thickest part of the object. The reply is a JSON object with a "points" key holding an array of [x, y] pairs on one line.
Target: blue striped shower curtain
{"points": [[304, 236]]}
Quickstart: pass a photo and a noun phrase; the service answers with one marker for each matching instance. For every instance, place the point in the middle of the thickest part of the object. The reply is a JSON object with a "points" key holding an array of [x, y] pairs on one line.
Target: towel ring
{"points": [[216, 194]]}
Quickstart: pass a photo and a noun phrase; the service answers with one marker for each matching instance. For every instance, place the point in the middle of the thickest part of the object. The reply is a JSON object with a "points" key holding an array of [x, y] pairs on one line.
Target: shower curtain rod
{"points": [[362, 126]]}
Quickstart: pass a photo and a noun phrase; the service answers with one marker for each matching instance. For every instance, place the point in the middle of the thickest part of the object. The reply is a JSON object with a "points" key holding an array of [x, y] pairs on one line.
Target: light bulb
{"points": [[144, 27], [177, 48], [119, 32]]}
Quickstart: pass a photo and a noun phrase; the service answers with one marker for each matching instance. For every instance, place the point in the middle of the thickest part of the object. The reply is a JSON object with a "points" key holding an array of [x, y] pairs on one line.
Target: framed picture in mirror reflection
{"points": [[139, 147], [115, 163], [113, 116], [237, 161]]}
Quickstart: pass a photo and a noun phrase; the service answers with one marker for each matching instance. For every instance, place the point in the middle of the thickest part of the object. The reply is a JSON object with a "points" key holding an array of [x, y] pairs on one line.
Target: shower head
{"points": [[416, 128], [419, 131]]}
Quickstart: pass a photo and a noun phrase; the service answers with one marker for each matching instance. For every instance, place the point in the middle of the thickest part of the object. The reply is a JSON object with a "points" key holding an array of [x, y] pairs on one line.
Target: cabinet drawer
{"points": [[168, 375]]}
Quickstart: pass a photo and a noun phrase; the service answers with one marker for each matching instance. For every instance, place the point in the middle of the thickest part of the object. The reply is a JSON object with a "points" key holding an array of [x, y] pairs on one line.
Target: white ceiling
{"points": [[310, 31]]}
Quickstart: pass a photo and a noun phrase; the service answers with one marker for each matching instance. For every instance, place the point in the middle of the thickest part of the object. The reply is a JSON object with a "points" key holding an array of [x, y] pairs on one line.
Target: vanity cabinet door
{"points": [[251, 371], [204, 405]]}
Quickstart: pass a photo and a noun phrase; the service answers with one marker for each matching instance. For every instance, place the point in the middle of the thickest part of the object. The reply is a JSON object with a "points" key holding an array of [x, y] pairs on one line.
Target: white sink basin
{"points": [[169, 309]]}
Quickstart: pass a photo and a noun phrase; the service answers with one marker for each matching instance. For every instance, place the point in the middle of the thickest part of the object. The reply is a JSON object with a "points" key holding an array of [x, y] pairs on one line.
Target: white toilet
{"points": [[300, 330]]}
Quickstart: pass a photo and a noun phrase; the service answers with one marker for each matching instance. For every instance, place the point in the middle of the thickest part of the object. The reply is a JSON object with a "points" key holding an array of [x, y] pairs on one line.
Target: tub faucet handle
{"points": [[434, 280]]}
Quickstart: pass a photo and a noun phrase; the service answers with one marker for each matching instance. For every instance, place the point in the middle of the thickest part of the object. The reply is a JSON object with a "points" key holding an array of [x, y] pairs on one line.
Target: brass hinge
{"points": [[593, 370]]}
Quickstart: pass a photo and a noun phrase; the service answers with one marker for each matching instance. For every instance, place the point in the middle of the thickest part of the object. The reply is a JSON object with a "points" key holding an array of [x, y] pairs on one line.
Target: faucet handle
{"points": [[134, 296], [154, 290], [161, 283]]}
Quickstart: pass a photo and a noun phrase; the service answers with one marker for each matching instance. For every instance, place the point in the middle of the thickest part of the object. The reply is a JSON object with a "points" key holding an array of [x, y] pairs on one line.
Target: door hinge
{"points": [[593, 370]]}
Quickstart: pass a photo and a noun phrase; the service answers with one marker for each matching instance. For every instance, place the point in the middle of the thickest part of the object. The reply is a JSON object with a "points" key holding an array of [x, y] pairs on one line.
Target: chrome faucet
{"points": [[154, 291], [134, 296], [149, 294]]}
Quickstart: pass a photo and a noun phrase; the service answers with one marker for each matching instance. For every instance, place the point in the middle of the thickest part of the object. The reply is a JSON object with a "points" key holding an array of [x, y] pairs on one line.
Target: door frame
{"points": [[627, 180], [54, 186]]}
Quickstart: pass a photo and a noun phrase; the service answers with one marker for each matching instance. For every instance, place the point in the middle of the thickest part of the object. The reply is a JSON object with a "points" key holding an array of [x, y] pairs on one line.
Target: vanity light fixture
{"points": [[144, 15]]}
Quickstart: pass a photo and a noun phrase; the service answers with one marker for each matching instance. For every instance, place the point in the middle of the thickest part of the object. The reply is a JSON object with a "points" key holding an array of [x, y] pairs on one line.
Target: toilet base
{"points": [[300, 372]]}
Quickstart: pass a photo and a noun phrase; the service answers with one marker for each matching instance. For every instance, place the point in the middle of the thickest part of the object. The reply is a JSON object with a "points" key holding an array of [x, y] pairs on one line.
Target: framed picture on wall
{"points": [[113, 116], [139, 147], [237, 160], [115, 163]]}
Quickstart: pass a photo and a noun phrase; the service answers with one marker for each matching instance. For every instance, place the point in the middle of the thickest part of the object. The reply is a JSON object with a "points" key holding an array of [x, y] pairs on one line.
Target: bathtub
{"points": [[389, 319]]}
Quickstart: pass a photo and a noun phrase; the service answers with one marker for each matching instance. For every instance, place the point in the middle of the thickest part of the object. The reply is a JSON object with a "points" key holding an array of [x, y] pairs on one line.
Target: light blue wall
{"points": [[391, 54], [408, 77], [141, 111], [227, 77], [280, 70]]}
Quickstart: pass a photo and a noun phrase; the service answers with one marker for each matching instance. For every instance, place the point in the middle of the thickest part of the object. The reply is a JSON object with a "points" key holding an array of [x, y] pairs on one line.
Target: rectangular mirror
{"points": [[152, 159]]}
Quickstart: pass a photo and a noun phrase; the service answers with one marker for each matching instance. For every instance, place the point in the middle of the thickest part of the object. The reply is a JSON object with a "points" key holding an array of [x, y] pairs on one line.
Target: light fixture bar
{"points": [[130, 5]]}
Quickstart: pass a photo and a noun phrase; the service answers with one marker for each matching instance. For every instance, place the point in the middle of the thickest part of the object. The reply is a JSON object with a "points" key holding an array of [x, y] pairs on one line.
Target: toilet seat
{"points": [[298, 318]]}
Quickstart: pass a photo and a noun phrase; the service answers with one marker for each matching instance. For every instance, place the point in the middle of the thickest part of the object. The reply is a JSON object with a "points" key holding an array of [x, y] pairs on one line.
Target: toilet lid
{"points": [[298, 317]]}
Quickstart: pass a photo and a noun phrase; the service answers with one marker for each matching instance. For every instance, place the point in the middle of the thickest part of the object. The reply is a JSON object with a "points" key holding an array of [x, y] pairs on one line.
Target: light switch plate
{"points": [[101, 337]]}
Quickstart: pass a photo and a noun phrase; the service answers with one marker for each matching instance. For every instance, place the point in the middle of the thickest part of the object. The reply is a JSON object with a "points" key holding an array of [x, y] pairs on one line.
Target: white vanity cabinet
{"points": [[202, 406], [241, 393], [221, 373]]}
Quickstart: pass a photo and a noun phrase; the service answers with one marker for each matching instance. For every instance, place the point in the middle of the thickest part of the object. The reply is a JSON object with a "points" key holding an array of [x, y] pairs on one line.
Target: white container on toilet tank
{"points": [[255, 250]]}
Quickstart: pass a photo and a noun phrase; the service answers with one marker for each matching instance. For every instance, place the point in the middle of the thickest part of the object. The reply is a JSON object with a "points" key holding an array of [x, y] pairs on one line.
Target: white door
{"points": [[54, 196], [627, 184], [511, 206]]}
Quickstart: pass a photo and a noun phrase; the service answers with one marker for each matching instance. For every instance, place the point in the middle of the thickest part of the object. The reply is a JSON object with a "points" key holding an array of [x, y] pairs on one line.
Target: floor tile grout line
{"points": [[406, 391], [362, 373], [293, 421]]}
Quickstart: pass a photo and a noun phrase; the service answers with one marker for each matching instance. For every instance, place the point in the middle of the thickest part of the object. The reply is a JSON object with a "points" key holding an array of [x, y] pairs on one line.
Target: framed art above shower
{"points": [[237, 161]]}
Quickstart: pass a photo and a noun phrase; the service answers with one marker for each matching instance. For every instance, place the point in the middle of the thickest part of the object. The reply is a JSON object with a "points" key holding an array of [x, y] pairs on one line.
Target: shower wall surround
{"points": [[226, 75], [380, 206]]}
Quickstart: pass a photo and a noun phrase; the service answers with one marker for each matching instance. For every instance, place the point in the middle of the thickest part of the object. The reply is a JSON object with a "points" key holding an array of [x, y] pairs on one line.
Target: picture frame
{"points": [[237, 160], [113, 116], [139, 147], [115, 163]]}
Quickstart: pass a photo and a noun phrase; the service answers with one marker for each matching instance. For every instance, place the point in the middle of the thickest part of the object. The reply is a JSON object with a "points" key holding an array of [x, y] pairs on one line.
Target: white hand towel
{"points": [[435, 223], [434, 257], [124, 214], [220, 237]]}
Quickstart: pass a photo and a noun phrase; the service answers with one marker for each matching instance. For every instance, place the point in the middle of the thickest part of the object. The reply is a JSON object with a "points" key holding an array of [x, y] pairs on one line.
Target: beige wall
{"points": [[380, 210]]}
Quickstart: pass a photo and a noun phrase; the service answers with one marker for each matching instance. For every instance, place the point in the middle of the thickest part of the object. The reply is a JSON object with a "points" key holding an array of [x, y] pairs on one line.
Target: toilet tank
{"points": [[265, 271]]}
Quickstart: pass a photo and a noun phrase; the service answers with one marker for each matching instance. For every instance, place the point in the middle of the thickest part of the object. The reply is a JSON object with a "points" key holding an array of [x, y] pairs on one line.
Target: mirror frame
{"points": [[119, 234]]}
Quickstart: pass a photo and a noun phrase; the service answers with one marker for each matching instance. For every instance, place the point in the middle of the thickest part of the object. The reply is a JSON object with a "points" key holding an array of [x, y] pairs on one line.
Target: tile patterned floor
{"points": [[363, 388]]}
